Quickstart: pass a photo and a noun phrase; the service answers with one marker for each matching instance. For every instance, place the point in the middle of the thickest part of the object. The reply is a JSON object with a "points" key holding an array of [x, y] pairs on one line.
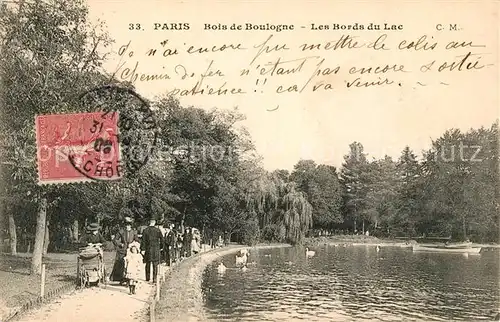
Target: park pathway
{"points": [[111, 303]]}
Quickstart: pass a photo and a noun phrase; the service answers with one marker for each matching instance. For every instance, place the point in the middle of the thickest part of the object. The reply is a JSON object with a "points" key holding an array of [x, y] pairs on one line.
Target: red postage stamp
{"points": [[78, 147]]}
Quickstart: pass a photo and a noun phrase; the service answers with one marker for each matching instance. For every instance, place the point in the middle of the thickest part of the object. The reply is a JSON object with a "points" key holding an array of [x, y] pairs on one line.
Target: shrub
{"points": [[273, 233]]}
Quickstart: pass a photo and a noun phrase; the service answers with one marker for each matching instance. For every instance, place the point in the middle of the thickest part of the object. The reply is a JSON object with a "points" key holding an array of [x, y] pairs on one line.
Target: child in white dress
{"points": [[133, 265]]}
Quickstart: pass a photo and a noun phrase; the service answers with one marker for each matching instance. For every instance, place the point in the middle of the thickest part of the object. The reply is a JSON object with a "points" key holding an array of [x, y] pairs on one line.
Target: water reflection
{"points": [[354, 282]]}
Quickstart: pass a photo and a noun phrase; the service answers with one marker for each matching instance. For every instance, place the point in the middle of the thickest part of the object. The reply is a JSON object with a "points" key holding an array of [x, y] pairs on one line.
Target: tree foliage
{"points": [[321, 185], [49, 53], [452, 191]]}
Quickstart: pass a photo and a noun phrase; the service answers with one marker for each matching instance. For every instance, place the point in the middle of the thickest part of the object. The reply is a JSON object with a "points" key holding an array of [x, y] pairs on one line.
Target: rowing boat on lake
{"points": [[453, 248], [459, 245]]}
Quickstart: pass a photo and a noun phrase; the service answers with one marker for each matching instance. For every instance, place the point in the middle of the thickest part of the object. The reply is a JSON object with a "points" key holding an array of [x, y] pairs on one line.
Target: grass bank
{"points": [[181, 294], [18, 286]]}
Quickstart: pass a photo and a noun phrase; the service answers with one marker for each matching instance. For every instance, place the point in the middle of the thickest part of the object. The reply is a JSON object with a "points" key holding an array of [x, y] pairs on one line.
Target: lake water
{"points": [[354, 282]]}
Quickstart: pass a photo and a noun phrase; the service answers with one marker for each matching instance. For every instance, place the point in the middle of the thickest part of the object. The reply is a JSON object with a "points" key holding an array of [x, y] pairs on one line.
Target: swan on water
{"points": [[221, 268], [241, 260], [310, 253]]}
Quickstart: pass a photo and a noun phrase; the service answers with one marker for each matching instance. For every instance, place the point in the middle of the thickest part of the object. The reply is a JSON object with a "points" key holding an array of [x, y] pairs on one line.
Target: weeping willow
{"points": [[297, 215], [262, 198], [278, 202]]}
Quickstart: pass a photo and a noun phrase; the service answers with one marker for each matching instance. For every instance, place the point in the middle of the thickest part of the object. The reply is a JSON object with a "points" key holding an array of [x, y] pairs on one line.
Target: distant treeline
{"points": [[451, 191]]}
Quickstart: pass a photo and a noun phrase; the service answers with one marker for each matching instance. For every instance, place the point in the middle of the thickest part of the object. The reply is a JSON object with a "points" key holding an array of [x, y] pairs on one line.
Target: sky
{"points": [[319, 125]]}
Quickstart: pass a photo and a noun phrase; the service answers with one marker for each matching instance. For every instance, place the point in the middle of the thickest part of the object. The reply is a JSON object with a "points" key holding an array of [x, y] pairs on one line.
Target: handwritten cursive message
{"points": [[273, 65]]}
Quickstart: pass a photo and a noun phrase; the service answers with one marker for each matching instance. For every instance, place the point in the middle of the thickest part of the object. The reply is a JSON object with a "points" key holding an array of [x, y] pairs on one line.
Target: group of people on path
{"points": [[157, 244]]}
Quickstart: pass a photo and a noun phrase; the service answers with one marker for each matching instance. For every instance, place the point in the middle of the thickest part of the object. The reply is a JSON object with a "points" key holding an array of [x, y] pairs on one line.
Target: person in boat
{"points": [[122, 240]]}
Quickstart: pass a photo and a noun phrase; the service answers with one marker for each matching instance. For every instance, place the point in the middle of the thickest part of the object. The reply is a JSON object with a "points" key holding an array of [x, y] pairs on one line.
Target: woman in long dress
{"points": [[187, 242], [195, 242], [121, 241]]}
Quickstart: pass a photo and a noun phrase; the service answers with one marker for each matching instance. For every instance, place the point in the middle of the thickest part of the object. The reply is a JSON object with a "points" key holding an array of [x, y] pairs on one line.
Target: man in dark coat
{"points": [[163, 256], [123, 238], [170, 244], [151, 245]]}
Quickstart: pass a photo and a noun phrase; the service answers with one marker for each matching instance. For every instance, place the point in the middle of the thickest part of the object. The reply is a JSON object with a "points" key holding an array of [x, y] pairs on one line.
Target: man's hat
{"points": [[128, 220], [93, 227], [153, 217]]}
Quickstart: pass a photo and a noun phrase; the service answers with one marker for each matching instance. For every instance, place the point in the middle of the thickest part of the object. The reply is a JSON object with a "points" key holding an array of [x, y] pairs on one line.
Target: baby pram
{"points": [[90, 266]]}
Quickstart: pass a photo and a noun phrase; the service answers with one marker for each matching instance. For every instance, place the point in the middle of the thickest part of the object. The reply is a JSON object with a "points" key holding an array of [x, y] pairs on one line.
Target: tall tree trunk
{"points": [[28, 245], [354, 225], [46, 239], [183, 219], [464, 227], [363, 229], [12, 234], [36, 259], [75, 230]]}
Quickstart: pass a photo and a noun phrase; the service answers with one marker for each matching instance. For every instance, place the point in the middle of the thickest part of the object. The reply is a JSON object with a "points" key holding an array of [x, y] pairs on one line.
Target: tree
{"points": [[320, 184], [297, 213], [205, 151], [353, 177], [461, 180], [408, 204], [48, 55], [278, 203], [282, 174], [382, 192]]}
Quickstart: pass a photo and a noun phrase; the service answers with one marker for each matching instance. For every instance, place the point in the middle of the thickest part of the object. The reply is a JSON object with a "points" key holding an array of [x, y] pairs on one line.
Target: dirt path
{"points": [[97, 304], [19, 287], [181, 297]]}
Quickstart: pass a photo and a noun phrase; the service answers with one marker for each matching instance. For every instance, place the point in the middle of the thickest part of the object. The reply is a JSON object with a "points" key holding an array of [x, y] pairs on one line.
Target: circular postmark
{"points": [[118, 135]]}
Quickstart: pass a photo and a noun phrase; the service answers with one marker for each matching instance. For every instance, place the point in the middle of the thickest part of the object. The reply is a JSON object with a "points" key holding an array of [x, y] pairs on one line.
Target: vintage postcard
{"points": [[249, 160]]}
